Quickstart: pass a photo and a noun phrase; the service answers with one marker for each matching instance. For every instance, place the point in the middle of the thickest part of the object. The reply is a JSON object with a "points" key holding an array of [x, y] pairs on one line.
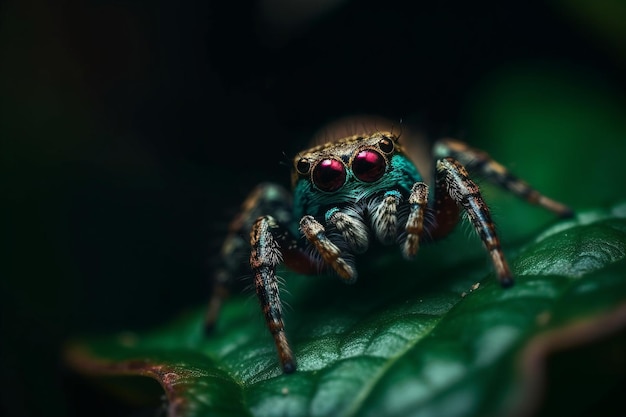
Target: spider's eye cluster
{"points": [[367, 164], [329, 175]]}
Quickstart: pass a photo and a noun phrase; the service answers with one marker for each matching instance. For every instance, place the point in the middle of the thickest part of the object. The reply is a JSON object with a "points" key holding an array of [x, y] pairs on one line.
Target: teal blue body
{"points": [[400, 176]]}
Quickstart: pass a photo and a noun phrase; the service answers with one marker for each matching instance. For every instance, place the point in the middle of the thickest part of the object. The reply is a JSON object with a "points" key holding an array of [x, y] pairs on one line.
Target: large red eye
{"points": [[329, 175], [368, 165]]}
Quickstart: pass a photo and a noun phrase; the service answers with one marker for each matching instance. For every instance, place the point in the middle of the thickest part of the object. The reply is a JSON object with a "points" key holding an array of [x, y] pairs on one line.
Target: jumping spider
{"points": [[348, 192]]}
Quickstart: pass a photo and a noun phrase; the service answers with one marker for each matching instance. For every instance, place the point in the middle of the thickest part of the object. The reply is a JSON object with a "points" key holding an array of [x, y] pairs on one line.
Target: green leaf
{"points": [[426, 338]]}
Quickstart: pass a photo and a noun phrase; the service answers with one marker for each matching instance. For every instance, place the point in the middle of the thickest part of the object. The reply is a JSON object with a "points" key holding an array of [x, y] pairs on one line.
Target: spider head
{"points": [[349, 170], [329, 167]]}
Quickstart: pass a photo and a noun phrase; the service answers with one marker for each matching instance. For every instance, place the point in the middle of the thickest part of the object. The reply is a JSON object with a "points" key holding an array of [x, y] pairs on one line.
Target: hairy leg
{"points": [[351, 227], [452, 177], [418, 202], [480, 162], [266, 198], [330, 253], [265, 256], [385, 217]]}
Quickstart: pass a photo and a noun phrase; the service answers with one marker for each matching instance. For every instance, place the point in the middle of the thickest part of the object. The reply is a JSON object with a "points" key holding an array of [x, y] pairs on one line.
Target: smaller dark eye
{"points": [[368, 165], [303, 166], [329, 175], [386, 145]]}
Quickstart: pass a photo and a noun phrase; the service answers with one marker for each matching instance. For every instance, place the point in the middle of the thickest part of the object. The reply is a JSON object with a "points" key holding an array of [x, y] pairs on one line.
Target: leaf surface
{"points": [[427, 338]]}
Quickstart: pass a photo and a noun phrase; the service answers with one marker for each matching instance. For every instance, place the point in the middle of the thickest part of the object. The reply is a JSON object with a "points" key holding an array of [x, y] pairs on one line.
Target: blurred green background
{"points": [[131, 130]]}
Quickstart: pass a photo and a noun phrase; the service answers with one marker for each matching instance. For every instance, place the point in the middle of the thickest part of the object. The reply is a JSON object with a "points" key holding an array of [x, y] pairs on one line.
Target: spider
{"points": [[347, 193]]}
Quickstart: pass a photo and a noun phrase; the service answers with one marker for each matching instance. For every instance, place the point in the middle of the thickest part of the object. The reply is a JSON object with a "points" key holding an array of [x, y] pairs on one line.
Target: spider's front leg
{"points": [[232, 263], [272, 244], [265, 256], [331, 255], [258, 240], [385, 218], [454, 186]]}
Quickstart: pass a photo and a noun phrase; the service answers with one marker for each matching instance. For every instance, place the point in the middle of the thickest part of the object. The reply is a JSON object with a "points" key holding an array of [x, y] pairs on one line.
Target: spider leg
{"points": [[265, 256], [351, 227], [316, 234], [272, 244], [418, 202], [452, 177], [385, 217], [266, 198], [479, 161]]}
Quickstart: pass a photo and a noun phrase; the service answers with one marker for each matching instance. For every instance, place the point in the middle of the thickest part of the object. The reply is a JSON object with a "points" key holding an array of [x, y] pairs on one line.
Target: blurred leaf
{"points": [[449, 342]]}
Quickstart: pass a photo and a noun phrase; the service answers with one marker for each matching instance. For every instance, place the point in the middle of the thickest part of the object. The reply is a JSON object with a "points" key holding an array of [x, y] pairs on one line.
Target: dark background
{"points": [[131, 130]]}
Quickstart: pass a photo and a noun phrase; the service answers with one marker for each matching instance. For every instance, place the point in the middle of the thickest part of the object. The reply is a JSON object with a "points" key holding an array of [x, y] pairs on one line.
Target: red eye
{"points": [[368, 165], [329, 175]]}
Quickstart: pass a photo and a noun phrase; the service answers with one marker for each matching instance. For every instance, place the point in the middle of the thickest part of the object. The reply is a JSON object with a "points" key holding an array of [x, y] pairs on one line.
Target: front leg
{"points": [[232, 263], [330, 253], [264, 258], [418, 202], [385, 218], [235, 252], [452, 177]]}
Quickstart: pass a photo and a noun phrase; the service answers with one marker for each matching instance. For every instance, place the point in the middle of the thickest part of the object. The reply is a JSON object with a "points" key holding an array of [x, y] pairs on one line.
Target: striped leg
{"points": [[331, 254], [385, 218], [269, 245], [481, 162], [418, 201], [453, 177], [264, 258], [351, 227], [266, 198]]}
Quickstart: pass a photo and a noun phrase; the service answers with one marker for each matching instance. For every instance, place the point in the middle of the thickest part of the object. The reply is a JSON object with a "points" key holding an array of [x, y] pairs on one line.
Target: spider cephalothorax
{"points": [[357, 184], [347, 192]]}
